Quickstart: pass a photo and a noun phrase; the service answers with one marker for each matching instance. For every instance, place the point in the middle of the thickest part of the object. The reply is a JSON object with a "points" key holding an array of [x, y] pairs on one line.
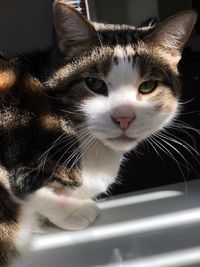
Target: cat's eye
{"points": [[147, 87], [96, 85]]}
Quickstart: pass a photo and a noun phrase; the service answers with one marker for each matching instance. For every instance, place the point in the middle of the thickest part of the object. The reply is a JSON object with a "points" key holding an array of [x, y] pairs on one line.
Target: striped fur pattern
{"points": [[69, 114]]}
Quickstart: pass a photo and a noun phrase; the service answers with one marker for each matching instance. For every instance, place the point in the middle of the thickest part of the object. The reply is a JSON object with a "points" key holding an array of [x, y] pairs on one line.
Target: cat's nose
{"points": [[123, 118], [122, 122]]}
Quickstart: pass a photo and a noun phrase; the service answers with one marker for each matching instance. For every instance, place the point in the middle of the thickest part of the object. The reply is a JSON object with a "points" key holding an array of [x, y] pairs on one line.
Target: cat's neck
{"points": [[100, 166], [101, 155]]}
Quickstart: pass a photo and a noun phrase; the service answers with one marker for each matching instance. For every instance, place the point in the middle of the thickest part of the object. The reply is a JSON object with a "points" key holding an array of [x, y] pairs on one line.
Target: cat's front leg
{"points": [[81, 215], [64, 211], [57, 203], [9, 224]]}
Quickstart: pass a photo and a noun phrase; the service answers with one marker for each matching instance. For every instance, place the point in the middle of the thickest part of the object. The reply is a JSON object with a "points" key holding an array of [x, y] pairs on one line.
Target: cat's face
{"points": [[136, 100], [120, 83]]}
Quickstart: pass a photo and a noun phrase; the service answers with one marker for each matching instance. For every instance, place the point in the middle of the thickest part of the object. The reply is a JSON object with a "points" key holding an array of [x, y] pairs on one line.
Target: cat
{"points": [[68, 115]]}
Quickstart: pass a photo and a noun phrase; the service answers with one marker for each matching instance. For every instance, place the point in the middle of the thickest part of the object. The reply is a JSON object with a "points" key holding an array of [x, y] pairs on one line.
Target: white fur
{"points": [[100, 164], [123, 81], [66, 212], [28, 224], [73, 211]]}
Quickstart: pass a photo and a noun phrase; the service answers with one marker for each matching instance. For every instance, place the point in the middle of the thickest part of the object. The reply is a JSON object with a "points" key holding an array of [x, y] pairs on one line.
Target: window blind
{"points": [[80, 5]]}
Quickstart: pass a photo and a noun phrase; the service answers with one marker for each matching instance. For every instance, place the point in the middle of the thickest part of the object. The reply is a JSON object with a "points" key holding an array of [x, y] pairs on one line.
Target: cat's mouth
{"points": [[123, 138]]}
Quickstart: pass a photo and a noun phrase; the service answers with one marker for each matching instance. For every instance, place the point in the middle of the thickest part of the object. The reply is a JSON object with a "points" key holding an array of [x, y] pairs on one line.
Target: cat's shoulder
{"points": [[24, 71]]}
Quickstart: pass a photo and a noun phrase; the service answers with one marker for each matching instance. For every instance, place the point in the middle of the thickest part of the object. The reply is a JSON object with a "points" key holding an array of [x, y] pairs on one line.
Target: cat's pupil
{"points": [[147, 87], [96, 85]]}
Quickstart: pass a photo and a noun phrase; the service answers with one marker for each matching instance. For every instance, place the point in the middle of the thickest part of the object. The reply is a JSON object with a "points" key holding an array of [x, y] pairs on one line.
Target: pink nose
{"points": [[123, 116], [123, 122]]}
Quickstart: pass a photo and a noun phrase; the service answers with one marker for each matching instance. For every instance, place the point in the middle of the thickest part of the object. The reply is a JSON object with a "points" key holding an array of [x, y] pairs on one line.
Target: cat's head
{"points": [[119, 82]]}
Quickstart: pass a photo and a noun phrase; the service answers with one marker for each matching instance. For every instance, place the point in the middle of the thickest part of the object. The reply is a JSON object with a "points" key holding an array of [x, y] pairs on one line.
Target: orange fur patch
{"points": [[164, 99], [50, 122], [7, 80]]}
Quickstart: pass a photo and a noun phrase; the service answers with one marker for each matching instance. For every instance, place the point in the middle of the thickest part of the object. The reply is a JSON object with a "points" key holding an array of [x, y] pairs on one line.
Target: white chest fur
{"points": [[100, 166]]}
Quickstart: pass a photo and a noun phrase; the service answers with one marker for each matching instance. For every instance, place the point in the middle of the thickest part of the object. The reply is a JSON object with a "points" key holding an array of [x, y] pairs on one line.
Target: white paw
{"points": [[83, 216], [80, 218]]}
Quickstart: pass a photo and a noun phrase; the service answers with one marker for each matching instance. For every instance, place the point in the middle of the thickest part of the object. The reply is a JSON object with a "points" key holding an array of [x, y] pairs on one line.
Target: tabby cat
{"points": [[68, 114]]}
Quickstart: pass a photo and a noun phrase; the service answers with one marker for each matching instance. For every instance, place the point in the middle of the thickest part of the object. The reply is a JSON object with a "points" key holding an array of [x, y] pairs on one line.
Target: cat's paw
{"points": [[81, 218], [85, 214]]}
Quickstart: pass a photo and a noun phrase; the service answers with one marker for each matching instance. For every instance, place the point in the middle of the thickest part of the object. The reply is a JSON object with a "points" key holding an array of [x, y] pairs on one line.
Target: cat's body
{"points": [[30, 128], [69, 114]]}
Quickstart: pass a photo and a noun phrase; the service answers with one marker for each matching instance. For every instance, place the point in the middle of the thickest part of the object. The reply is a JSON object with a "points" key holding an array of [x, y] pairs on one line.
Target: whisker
{"points": [[44, 156], [187, 162], [150, 140], [176, 140], [70, 157], [167, 152], [185, 132], [84, 150], [182, 124], [188, 101]]}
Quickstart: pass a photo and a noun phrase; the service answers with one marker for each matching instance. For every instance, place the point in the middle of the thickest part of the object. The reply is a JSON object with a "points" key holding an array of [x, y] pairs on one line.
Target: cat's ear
{"points": [[174, 32], [71, 27]]}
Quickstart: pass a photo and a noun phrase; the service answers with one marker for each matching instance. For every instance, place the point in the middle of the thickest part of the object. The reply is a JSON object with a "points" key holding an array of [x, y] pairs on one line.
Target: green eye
{"points": [[96, 85], [147, 87]]}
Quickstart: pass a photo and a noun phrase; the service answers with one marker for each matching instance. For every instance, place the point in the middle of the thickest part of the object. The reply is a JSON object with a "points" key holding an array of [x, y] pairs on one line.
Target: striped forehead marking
{"points": [[123, 71], [124, 54]]}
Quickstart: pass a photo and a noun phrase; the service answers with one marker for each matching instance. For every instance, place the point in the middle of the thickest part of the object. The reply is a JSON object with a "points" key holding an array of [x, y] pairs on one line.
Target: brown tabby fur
{"points": [[35, 88]]}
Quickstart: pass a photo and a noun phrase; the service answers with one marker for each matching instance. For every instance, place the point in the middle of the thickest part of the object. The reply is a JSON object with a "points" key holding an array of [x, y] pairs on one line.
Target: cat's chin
{"points": [[121, 144]]}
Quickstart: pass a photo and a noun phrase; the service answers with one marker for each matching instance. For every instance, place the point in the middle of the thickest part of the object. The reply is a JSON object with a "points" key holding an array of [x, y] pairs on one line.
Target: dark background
{"points": [[27, 25]]}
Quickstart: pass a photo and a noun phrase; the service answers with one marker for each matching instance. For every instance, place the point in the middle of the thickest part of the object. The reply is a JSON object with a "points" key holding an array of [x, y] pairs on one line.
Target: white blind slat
{"points": [[78, 4]]}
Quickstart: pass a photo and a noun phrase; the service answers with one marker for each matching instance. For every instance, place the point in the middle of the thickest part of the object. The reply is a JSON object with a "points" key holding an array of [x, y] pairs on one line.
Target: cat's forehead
{"points": [[124, 53], [141, 62], [123, 68], [114, 34], [116, 59], [122, 48]]}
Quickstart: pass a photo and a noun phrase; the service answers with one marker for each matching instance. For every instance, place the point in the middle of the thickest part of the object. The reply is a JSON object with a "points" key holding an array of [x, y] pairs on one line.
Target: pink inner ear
{"points": [[174, 57], [175, 53]]}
